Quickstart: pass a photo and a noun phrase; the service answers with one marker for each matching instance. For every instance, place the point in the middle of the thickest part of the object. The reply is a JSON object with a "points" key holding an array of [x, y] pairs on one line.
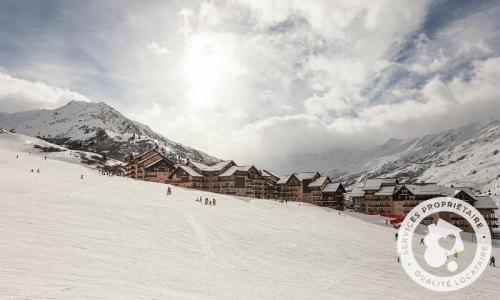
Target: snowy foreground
{"points": [[103, 237]]}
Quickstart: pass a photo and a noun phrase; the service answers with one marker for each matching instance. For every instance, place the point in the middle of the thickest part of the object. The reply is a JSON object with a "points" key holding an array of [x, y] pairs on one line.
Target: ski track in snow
{"points": [[200, 233], [104, 237]]}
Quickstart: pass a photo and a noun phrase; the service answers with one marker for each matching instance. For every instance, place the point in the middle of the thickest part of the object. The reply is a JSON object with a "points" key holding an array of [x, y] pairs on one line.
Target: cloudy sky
{"points": [[258, 81]]}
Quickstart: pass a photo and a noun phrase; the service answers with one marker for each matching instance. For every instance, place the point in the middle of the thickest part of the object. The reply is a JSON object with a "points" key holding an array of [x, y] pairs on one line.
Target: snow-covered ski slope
{"points": [[101, 237]]}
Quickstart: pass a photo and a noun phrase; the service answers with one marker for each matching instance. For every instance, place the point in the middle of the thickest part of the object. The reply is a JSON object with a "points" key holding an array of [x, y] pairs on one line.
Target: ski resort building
{"points": [[225, 177], [379, 195], [187, 177], [384, 196], [295, 187], [356, 196], [150, 166], [316, 188], [244, 181], [210, 173], [332, 195], [270, 184], [312, 188]]}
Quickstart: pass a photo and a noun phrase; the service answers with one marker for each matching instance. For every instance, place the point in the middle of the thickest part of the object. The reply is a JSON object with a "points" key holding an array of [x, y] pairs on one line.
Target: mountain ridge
{"points": [[467, 150], [97, 127]]}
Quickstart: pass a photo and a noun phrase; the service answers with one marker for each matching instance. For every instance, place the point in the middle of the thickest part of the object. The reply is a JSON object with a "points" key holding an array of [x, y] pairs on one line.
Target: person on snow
{"points": [[45, 157], [17, 156], [206, 201], [31, 170], [81, 176], [396, 236], [214, 201], [38, 170], [422, 241], [492, 261]]}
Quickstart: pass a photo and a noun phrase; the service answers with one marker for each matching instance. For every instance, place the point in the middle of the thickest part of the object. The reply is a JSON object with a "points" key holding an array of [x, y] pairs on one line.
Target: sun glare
{"points": [[203, 70]]}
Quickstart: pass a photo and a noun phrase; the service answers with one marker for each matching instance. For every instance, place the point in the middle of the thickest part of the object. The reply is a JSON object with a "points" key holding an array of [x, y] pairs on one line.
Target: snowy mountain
{"points": [[467, 155], [96, 127], [102, 237]]}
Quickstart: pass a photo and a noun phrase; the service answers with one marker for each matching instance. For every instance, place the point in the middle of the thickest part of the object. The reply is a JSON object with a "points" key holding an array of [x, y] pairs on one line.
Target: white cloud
{"points": [[157, 49], [19, 94], [259, 81]]}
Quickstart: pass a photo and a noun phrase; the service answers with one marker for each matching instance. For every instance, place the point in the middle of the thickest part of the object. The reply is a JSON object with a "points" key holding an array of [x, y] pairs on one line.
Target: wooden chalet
{"points": [[244, 181], [379, 195], [270, 184], [486, 206], [210, 173], [295, 187], [316, 187], [356, 198], [150, 166], [332, 196], [187, 177]]}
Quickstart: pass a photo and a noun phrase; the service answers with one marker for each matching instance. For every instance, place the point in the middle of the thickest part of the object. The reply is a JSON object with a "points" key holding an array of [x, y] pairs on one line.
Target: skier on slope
{"points": [[206, 201], [492, 261], [396, 236], [214, 202]]}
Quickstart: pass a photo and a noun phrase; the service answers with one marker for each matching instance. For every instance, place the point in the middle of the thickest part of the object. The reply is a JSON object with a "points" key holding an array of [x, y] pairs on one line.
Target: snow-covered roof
{"points": [[484, 202], [356, 191], [376, 183], [154, 162], [319, 181], [332, 187], [266, 173], [150, 153], [305, 175], [215, 167], [190, 171], [385, 190], [283, 179], [233, 169], [424, 189], [453, 191]]}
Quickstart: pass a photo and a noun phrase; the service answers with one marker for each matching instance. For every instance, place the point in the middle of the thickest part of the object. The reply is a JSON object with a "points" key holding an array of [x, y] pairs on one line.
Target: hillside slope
{"points": [[103, 237], [467, 155], [96, 127]]}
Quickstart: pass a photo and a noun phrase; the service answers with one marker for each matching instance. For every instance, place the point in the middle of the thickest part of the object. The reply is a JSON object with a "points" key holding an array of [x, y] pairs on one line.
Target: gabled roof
{"points": [[376, 183], [422, 189], [234, 169], [484, 202], [212, 168], [283, 179], [332, 187], [152, 153], [145, 153], [356, 191], [453, 191], [266, 173], [159, 159], [386, 190], [190, 171], [319, 181], [305, 175]]}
